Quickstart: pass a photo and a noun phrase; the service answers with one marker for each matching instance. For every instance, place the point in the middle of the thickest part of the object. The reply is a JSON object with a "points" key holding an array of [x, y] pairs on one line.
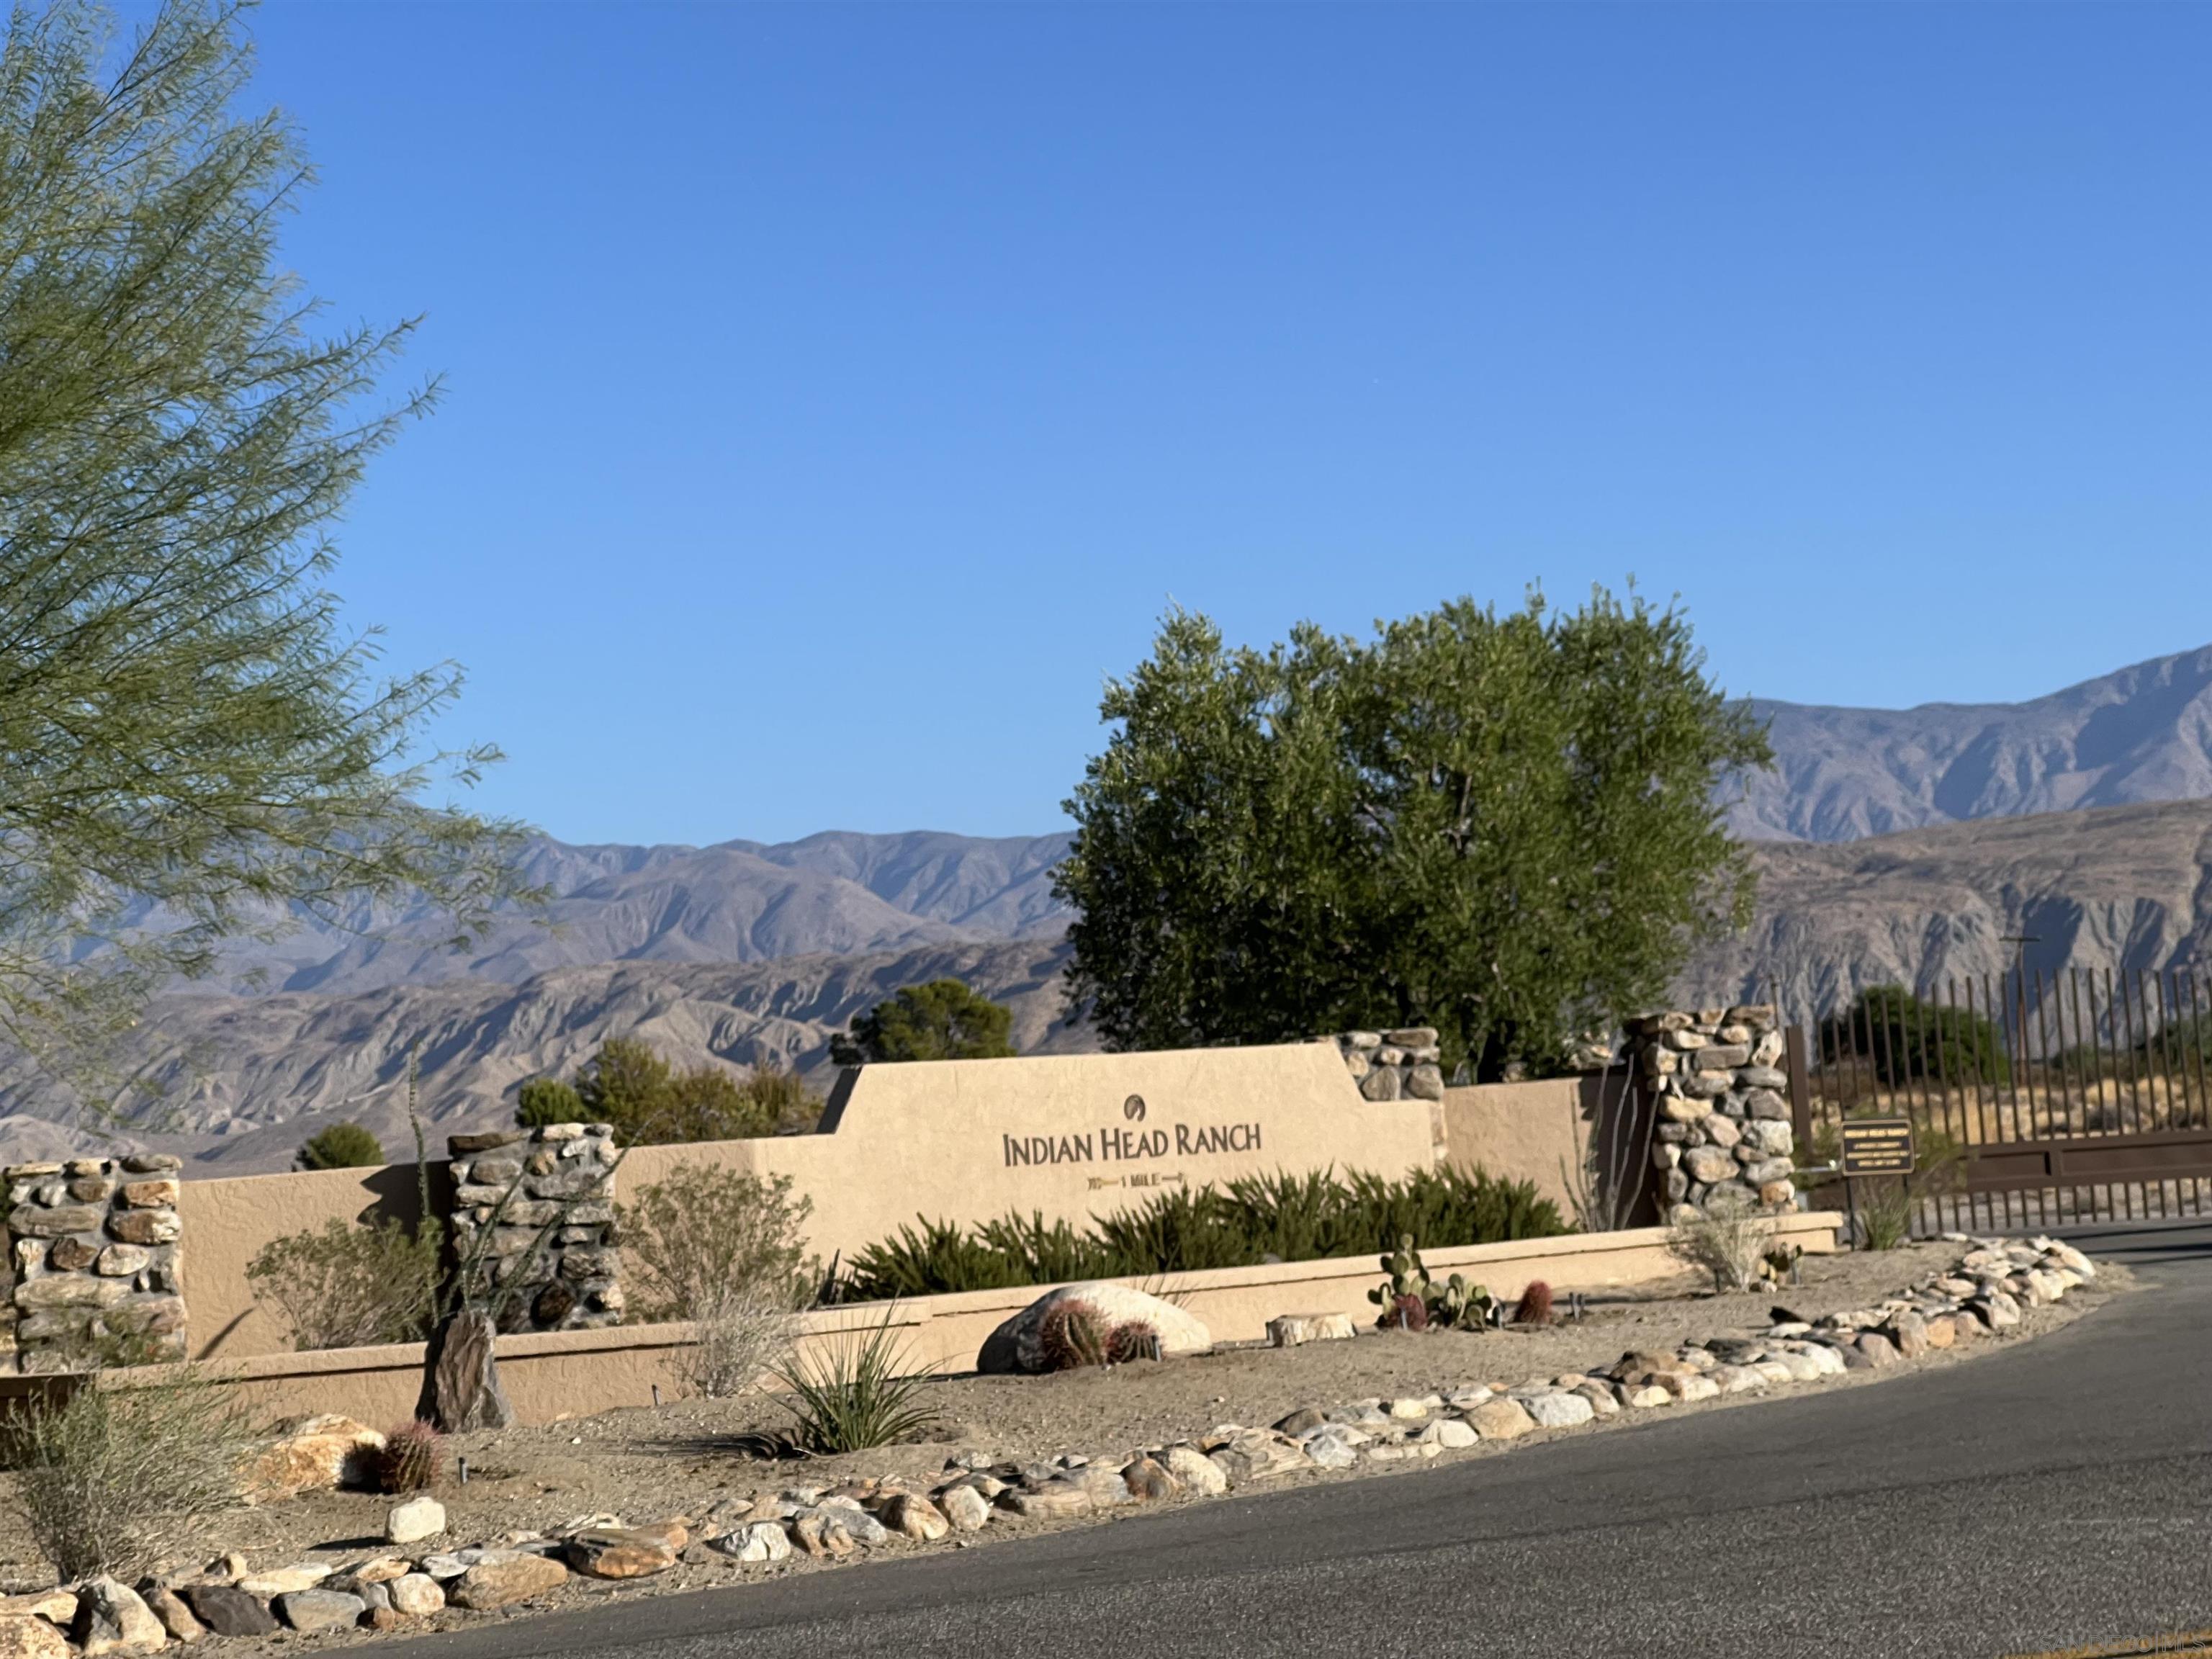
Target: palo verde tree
{"points": [[195, 746], [1508, 827], [945, 1019]]}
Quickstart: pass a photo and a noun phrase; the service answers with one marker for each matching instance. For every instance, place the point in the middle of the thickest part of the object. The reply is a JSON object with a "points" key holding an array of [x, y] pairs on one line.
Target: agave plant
{"points": [[856, 1391]]}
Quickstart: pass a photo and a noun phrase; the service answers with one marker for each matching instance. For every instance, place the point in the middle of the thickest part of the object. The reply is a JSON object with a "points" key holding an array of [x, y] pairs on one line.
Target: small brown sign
{"points": [[1876, 1146]]}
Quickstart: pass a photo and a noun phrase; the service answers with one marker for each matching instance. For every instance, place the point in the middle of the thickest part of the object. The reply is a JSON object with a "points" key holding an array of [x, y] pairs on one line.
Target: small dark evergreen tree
{"points": [[944, 1019], [342, 1146], [1906, 1038]]}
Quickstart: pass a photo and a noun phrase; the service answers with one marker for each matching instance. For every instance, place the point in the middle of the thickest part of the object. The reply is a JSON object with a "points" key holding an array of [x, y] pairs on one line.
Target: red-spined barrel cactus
{"points": [[1071, 1334], [1535, 1307], [413, 1458]]}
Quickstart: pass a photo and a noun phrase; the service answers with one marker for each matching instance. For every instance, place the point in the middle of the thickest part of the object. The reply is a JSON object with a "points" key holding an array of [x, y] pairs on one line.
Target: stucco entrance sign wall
{"points": [[1080, 1135]]}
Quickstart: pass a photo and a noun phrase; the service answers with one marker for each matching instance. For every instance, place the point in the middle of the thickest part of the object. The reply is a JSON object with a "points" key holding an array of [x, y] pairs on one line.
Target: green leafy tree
{"points": [[944, 1019], [342, 1146], [649, 1103], [1507, 827], [195, 745], [1905, 1039]]}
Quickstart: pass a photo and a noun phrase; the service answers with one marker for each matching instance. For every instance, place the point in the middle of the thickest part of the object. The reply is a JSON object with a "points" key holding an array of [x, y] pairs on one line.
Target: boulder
{"points": [[227, 1610], [1501, 1420], [820, 1534], [625, 1551], [912, 1516], [1013, 1347], [1255, 1455], [24, 1637], [1876, 1348], [1056, 1500], [1196, 1471], [1289, 1330], [320, 1609], [280, 1581], [763, 1540], [315, 1454], [503, 1577], [112, 1618], [414, 1520], [1334, 1447], [57, 1606], [169, 1607], [462, 1390], [1147, 1482], [965, 1507], [1559, 1411], [416, 1594]]}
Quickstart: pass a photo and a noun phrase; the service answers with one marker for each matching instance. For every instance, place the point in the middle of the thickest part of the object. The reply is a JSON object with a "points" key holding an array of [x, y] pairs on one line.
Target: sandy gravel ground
{"points": [[688, 1459]]}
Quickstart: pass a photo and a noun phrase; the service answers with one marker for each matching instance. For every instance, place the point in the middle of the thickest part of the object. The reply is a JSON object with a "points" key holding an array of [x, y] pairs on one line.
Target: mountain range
{"points": [[1891, 845], [2142, 734]]}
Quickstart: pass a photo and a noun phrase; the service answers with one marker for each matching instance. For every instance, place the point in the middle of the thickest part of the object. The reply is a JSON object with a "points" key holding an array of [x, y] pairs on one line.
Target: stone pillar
{"points": [[94, 1248], [1405, 1065], [546, 1197], [1721, 1106]]}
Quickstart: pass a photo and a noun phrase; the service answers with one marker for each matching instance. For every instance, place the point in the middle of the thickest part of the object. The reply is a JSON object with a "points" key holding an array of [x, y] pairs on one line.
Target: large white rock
{"points": [[412, 1521], [1013, 1345]]}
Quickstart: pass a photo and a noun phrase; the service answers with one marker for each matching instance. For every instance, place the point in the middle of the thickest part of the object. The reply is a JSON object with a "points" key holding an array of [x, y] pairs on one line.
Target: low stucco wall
{"points": [[555, 1375], [932, 1139]]}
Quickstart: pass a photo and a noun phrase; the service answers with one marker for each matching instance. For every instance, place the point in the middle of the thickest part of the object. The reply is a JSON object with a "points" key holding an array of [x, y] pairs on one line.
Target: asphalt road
{"points": [[2054, 1494]]}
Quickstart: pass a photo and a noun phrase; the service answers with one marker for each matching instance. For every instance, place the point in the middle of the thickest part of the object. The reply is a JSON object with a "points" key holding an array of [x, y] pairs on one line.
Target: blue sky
{"points": [[836, 395]]}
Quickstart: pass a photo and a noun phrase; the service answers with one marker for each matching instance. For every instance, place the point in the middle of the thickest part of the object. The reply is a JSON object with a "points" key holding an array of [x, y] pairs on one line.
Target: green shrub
{"points": [[544, 1100], [1284, 1218], [944, 1019], [856, 1392], [700, 1230], [343, 1146], [725, 1251], [351, 1286], [1907, 1039], [114, 1479], [650, 1104]]}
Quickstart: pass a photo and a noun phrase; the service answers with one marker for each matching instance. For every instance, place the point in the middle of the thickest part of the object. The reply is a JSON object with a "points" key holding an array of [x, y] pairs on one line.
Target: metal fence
{"points": [[2036, 1099]]}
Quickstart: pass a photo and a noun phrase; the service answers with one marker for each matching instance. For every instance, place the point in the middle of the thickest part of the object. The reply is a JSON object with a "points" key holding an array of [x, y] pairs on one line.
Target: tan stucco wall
{"points": [[1521, 1130], [926, 1139], [553, 1375], [227, 1222]]}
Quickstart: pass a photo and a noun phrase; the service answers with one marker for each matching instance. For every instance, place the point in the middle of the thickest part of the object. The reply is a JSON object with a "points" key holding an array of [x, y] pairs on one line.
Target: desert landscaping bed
{"points": [[1394, 1401]]}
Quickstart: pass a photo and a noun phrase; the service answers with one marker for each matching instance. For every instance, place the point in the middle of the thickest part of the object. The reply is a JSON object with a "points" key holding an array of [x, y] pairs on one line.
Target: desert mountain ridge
{"points": [[2142, 733], [237, 1082]]}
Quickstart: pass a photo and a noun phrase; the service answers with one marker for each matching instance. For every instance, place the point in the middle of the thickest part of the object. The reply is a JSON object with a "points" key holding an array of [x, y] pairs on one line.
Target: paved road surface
{"points": [[2057, 1493]]}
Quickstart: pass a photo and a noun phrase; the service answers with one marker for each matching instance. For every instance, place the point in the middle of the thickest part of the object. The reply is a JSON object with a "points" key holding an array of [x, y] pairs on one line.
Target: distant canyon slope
{"points": [[744, 951]]}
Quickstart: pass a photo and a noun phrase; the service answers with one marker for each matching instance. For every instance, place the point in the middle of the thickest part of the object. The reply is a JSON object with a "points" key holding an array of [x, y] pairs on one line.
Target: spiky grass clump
{"points": [[413, 1458], [1072, 1335], [856, 1392], [1535, 1306], [1132, 1338]]}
